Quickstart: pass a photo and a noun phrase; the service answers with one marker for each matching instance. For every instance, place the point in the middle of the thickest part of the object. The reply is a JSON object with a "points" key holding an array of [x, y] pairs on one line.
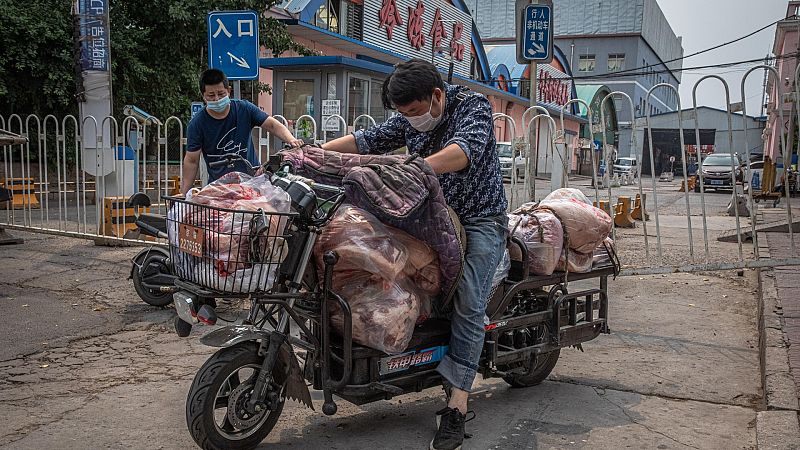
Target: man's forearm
{"points": [[450, 159], [277, 129], [344, 144], [188, 176]]}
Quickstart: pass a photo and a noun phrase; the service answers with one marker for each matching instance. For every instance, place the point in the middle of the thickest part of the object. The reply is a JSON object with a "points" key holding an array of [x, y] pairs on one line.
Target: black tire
{"points": [[536, 372], [697, 187], [201, 401], [151, 263]]}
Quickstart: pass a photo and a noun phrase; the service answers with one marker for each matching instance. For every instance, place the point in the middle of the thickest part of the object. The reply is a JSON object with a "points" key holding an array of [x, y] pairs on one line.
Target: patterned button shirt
{"points": [[477, 190]]}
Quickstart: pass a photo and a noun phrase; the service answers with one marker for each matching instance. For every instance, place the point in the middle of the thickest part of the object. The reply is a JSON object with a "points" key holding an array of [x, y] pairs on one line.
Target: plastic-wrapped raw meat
{"points": [[576, 263], [384, 313], [543, 236], [583, 262], [567, 194], [387, 276], [235, 245], [586, 226], [363, 244]]}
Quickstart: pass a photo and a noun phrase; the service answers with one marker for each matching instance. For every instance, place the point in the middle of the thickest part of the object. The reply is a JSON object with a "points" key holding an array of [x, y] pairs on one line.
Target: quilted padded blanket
{"points": [[401, 191]]}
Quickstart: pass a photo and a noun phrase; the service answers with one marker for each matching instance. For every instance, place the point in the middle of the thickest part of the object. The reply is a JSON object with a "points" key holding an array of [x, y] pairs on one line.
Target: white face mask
{"points": [[425, 122]]}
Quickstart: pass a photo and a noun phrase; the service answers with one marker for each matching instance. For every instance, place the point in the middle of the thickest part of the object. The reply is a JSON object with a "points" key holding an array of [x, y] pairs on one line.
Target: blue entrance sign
{"points": [[196, 108], [233, 43], [537, 33]]}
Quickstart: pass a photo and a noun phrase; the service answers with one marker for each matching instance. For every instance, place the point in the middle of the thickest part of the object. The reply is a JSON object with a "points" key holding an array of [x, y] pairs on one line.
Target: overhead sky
{"points": [[704, 24]]}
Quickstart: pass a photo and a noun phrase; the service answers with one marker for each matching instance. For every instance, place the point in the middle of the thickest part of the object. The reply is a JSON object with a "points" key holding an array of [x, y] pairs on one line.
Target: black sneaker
{"points": [[451, 434]]}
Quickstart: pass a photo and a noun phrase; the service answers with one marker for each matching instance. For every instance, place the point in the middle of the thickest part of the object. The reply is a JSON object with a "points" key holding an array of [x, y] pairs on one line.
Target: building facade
{"points": [[626, 45], [710, 124], [356, 45], [787, 42]]}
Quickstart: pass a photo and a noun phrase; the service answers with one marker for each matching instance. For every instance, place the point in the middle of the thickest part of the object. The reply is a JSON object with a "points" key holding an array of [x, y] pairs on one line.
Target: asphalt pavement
{"points": [[85, 364]]}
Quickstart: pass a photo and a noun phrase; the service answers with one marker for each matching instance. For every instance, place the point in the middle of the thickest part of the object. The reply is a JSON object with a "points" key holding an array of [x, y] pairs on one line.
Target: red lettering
{"points": [[437, 29], [389, 17], [456, 47], [415, 24]]}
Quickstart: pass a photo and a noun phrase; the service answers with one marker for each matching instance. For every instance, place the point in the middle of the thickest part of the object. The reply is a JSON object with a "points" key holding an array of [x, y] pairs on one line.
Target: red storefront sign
{"points": [[706, 149], [415, 23], [553, 90], [389, 17]]}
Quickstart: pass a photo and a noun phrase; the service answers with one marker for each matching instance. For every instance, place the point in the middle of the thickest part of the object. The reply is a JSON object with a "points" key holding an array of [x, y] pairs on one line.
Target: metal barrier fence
{"points": [[73, 178], [74, 168]]}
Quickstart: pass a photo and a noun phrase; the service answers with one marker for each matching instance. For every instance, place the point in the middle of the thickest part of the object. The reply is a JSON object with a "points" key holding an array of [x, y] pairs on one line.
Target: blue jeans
{"points": [[486, 243]]}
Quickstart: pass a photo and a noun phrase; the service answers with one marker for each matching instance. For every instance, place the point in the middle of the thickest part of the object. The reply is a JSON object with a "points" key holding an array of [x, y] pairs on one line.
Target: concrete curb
{"points": [[777, 425]]}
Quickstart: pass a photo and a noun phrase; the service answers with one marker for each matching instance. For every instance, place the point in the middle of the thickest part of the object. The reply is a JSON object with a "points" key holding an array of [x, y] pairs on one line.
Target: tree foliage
{"points": [[36, 63], [158, 50]]}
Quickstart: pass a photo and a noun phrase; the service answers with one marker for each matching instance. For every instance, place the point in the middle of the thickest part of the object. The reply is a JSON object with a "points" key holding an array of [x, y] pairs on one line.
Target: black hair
{"points": [[411, 81], [212, 76]]}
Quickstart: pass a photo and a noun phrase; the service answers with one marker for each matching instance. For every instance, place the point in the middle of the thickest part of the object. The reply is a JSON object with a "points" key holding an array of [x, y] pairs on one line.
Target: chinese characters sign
{"points": [[552, 88], [95, 41], [421, 29], [233, 43], [535, 36]]}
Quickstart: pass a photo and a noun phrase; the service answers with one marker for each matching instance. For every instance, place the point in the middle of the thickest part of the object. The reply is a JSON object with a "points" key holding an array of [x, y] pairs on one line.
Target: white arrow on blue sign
{"points": [[537, 38], [233, 43]]}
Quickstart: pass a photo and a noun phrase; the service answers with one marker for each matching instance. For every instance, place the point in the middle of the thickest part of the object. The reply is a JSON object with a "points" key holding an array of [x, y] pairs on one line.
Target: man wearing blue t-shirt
{"points": [[223, 127]]}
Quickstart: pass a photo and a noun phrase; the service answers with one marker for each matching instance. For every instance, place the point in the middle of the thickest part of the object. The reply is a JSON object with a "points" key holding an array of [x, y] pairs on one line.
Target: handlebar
{"points": [[230, 159]]}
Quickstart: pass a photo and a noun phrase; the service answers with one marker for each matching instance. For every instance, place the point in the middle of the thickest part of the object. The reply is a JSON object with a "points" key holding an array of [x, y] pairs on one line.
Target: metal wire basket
{"points": [[228, 251]]}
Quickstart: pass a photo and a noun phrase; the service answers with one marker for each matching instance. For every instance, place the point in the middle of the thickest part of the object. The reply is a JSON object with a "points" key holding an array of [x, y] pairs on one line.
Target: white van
{"points": [[624, 166]]}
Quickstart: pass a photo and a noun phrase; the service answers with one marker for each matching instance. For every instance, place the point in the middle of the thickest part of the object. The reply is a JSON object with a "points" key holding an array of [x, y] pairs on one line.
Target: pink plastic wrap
{"points": [[567, 194], [576, 263], [543, 237], [384, 313], [363, 244], [586, 226], [583, 262], [387, 276]]}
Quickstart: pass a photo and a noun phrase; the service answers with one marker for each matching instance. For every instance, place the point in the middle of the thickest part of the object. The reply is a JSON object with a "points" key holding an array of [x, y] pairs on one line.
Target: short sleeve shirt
{"points": [[476, 191], [217, 137]]}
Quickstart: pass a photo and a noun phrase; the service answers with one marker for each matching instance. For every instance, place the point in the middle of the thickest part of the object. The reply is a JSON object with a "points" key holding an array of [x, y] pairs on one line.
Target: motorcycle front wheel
{"points": [[215, 412]]}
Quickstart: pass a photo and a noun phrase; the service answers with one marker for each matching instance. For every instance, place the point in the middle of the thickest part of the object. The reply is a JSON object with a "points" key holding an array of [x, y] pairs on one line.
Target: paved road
{"points": [[87, 365]]}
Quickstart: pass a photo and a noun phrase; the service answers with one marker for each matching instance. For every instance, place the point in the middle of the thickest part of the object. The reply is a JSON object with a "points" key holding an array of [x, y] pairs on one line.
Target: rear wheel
{"points": [[535, 370], [215, 411], [147, 268]]}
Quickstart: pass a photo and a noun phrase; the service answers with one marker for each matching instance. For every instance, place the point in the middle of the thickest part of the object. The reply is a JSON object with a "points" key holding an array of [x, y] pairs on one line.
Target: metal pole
{"points": [[237, 90]]}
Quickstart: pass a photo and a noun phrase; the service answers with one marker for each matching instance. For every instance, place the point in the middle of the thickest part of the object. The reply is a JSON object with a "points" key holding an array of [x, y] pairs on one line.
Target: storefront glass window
{"points": [[357, 98], [331, 85], [375, 103], [298, 99]]}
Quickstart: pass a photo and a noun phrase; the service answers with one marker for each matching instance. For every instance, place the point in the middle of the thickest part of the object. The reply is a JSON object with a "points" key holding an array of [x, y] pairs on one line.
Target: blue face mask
{"points": [[219, 105]]}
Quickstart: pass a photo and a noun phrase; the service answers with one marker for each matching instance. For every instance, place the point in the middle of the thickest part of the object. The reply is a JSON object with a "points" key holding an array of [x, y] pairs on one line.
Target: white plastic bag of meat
{"points": [[584, 262], [228, 238], [585, 225], [257, 277], [601, 254], [567, 194], [574, 262], [384, 313], [543, 237]]}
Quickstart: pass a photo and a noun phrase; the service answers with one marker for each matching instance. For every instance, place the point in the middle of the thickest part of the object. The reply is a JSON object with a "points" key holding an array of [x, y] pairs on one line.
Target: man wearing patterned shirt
{"points": [[452, 129]]}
